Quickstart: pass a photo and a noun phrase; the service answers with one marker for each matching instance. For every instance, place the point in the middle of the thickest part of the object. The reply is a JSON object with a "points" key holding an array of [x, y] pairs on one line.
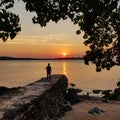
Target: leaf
{"points": [[78, 32], [12, 35]]}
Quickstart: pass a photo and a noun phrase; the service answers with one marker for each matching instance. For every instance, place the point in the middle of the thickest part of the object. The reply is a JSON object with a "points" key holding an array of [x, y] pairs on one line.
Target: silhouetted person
{"points": [[48, 70]]}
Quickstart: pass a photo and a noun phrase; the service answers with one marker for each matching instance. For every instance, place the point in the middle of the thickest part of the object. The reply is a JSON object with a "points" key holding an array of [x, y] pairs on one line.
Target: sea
{"points": [[14, 73]]}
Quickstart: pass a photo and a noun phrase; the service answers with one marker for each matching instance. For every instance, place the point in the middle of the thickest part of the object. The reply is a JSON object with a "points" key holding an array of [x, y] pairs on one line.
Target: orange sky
{"points": [[51, 41]]}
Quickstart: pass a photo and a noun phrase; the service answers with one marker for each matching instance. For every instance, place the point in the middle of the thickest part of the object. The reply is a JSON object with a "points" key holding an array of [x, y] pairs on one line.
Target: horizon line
{"points": [[32, 58]]}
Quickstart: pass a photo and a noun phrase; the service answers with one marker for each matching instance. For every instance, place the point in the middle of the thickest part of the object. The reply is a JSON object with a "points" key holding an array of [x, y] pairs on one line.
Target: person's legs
{"points": [[50, 76], [47, 76]]}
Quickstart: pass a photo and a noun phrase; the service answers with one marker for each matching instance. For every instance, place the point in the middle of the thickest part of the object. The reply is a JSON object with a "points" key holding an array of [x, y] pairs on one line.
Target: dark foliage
{"points": [[9, 22], [115, 95], [99, 19]]}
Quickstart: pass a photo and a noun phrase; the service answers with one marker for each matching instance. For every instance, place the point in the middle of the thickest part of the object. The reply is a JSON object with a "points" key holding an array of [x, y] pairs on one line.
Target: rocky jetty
{"points": [[41, 100]]}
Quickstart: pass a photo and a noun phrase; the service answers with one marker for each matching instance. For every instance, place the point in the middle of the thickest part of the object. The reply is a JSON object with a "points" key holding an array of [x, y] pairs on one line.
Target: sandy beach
{"points": [[86, 111]]}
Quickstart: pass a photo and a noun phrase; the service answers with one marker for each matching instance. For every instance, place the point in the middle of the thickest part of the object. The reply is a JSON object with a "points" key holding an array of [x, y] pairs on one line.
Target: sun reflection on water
{"points": [[64, 68]]}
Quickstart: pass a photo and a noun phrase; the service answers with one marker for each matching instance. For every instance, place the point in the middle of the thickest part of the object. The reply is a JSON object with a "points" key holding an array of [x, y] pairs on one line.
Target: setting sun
{"points": [[64, 54]]}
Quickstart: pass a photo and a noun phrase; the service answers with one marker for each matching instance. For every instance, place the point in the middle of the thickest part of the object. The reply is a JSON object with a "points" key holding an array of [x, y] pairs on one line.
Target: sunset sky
{"points": [[54, 40]]}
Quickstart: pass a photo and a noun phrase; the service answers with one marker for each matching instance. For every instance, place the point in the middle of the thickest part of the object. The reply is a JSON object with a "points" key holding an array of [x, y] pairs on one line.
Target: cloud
{"points": [[50, 39]]}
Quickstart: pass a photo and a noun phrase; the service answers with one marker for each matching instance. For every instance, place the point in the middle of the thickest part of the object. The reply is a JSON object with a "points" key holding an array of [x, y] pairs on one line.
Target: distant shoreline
{"points": [[66, 58]]}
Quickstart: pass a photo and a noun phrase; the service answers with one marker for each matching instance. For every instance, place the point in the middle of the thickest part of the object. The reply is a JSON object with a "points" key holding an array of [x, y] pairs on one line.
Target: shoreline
{"points": [[94, 110], [95, 107]]}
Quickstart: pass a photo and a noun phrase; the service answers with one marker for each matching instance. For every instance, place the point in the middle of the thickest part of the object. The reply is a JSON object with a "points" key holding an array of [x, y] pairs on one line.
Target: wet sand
{"points": [[82, 111]]}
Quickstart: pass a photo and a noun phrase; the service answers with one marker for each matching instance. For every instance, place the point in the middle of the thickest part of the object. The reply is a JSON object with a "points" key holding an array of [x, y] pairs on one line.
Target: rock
{"points": [[72, 84], [96, 91], [72, 96], [95, 111], [6, 90], [3, 89], [104, 92]]}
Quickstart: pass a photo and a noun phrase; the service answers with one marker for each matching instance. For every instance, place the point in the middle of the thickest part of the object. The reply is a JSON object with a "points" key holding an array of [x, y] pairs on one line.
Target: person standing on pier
{"points": [[48, 70]]}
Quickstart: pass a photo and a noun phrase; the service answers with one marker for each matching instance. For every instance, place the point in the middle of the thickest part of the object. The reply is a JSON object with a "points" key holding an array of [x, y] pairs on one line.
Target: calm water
{"points": [[19, 73]]}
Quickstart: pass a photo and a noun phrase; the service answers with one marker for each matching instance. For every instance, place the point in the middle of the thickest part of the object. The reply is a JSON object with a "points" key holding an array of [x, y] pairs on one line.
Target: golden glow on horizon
{"points": [[23, 48]]}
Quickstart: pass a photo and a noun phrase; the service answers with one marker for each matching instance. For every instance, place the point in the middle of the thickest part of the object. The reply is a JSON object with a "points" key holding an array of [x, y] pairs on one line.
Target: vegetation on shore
{"points": [[115, 95]]}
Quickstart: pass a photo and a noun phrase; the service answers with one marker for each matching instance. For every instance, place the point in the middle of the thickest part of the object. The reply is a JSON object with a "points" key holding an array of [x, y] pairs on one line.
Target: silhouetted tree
{"points": [[9, 22], [99, 19]]}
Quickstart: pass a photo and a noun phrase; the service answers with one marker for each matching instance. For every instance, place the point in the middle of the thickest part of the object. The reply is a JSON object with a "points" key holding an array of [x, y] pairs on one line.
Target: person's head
{"points": [[48, 64]]}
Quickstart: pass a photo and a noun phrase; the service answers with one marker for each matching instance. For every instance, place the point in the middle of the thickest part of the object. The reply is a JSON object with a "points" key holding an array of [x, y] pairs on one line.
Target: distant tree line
{"points": [[16, 58]]}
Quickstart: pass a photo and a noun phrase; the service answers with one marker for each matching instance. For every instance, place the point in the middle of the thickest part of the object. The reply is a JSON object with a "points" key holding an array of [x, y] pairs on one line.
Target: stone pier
{"points": [[40, 100]]}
